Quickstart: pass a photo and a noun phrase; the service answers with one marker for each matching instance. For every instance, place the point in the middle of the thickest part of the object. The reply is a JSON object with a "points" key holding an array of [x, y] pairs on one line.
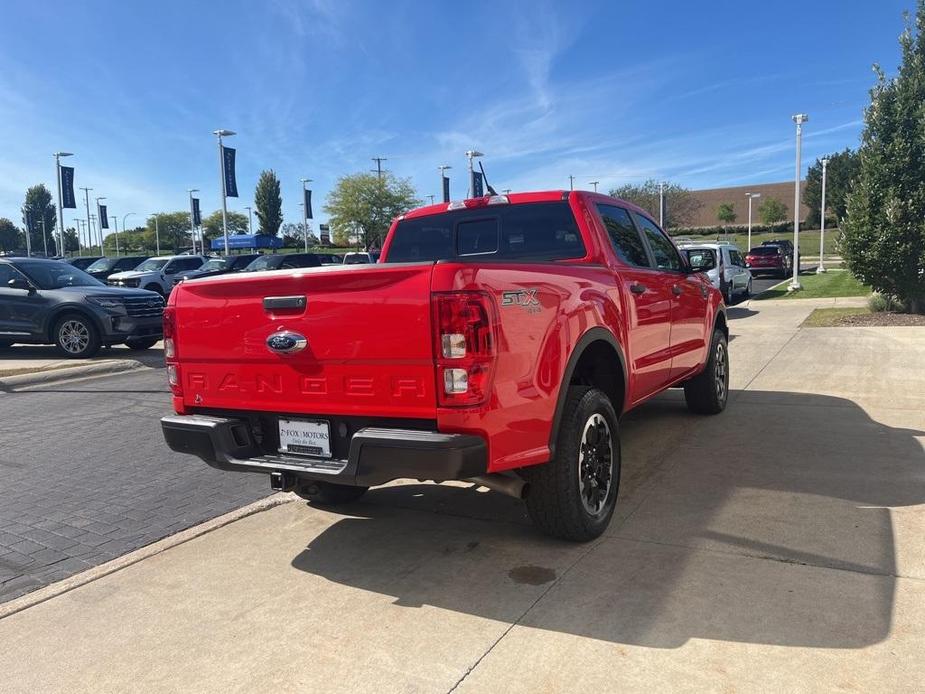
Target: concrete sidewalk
{"points": [[777, 547], [28, 364]]}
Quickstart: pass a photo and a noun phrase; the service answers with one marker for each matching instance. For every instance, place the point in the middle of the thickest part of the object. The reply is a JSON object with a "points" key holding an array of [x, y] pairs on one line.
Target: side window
{"points": [[476, 237], [665, 254], [623, 235], [7, 273], [735, 258]]}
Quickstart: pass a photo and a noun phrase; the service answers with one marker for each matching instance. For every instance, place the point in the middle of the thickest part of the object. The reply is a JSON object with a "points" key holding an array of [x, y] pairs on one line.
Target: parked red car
{"points": [[498, 340], [767, 260]]}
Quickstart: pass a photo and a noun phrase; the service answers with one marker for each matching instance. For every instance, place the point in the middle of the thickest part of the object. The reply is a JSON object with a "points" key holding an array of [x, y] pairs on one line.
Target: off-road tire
{"points": [[330, 494], [554, 497], [141, 344], [708, 392], [76, 337]]}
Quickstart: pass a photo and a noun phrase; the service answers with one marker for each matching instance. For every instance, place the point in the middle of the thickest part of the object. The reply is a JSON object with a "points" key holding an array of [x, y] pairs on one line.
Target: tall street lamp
{"points": [[799, 119], [60, 212], [87, 201], [26, 211], [470, 155], [250, 219], [115, 228], [595, 184], [157, 234], [192, 219], [446, 191], [750, 197], [821, 268], [221, 163], [305, 182], [661, 205]]}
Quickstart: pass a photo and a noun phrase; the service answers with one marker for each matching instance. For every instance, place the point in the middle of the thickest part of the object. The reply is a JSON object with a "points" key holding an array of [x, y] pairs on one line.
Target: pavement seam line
{"points": [[527, 611], [761, 557], [95, 573], [769, 361]]}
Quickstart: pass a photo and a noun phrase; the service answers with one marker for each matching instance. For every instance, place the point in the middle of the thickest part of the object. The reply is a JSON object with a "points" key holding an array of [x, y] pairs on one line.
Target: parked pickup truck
{"points": [[497, 340]]}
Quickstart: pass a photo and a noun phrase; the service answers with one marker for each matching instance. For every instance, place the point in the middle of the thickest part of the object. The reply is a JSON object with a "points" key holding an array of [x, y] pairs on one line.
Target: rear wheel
{"points": [[141, 343], [707, 392], [748, 288], [574, 495], [328, 493], [76, 336]]}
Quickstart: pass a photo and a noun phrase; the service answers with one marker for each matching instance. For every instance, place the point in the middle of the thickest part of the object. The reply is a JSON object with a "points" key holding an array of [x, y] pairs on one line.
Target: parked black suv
{"points": [[283, 261], [217, 266], [82, 262], [49, 302], [104, 267]]}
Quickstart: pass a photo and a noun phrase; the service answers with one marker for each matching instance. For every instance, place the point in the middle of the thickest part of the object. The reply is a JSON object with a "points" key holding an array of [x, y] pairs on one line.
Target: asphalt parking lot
{"points": [[775, 547]]}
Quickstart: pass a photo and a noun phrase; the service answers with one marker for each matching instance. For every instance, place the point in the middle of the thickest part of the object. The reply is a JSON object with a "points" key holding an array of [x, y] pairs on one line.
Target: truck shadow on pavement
{"points": [[769, 524]]}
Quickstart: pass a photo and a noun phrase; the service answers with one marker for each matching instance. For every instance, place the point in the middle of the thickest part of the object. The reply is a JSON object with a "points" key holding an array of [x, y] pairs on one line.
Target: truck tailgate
{"points": [[368, 331]]}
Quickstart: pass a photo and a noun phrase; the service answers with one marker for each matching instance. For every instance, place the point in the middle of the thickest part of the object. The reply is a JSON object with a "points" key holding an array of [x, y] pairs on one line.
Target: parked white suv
{"points": [[156, 274], [728, 272]]}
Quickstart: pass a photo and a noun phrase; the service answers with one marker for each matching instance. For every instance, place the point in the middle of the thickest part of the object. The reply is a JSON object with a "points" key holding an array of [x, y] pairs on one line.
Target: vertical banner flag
{"points": [[325, 231], [101, 212], [477, 190], [308, 204], [446, 189], [231, 185], [67, 188], [197, 217]]}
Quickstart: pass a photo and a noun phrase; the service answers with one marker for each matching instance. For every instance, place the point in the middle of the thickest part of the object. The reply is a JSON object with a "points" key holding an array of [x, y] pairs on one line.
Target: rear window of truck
{"points": [[529, 232]]}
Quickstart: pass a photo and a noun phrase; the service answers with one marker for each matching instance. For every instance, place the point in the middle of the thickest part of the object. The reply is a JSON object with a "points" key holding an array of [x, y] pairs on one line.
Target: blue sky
{"points": [[698, 93]]}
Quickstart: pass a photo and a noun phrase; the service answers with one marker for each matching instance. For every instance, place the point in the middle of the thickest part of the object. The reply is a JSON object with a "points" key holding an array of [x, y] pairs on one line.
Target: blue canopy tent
{"points": [[238, 242]]}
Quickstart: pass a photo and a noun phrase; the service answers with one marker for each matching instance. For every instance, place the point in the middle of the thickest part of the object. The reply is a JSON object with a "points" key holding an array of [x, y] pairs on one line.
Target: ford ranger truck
{"points": [[498, 340]]}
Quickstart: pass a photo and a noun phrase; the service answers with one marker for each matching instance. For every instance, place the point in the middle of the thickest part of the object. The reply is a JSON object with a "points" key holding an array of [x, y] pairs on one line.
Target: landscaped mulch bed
{"points": [[884, 318]]}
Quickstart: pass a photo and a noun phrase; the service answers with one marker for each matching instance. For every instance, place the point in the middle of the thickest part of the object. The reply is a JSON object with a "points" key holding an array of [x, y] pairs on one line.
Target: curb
{"points": [[99, 368], [97, 572]]}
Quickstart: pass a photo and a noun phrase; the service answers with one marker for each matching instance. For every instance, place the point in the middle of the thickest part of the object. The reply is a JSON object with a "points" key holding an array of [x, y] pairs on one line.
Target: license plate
{"points": [[305, 437]]}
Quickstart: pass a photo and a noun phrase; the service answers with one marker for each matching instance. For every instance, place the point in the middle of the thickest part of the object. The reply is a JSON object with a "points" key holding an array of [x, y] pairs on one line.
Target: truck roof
{"points": [[527, 197]]}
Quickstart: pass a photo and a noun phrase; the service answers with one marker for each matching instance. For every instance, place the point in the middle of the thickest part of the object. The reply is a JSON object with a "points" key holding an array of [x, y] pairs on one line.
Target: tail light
{"points": [[170, 350], [465, 333]]}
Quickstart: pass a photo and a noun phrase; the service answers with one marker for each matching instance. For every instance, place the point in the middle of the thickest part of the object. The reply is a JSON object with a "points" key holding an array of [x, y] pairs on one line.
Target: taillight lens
{"points": [[170, 350], [465, 327]]}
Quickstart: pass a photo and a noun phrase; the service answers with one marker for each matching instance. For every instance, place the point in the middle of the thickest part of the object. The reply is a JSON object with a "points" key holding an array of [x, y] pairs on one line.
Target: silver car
{"points": [[728, 272]]}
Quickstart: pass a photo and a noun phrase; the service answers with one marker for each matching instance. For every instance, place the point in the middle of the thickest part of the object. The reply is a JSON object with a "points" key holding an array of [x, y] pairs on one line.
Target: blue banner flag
{"points": [[308, 204], [197, 216], [477, 190], [67, 188], [446, 189], [104, 220], [231, 186]]}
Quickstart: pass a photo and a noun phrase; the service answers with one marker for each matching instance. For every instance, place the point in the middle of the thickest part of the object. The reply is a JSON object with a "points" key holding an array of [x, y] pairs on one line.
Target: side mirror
{"points": [[20, 283]]}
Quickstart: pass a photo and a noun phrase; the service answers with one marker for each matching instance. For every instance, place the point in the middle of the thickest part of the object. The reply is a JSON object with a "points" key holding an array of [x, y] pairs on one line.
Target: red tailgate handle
{"points": [[291, 303]]}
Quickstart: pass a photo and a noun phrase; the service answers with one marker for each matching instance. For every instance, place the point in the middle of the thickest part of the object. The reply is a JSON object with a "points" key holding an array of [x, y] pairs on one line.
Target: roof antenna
{"points": [[491, 191]]}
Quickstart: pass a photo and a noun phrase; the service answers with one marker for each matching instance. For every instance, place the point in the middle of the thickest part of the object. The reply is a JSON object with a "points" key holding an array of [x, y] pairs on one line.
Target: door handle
{"points": [[637, 288], [676, 290]]}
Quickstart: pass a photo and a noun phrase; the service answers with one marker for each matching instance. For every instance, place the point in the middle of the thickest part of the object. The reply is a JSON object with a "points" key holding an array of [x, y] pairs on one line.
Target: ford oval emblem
{"points": [[286, 342]]}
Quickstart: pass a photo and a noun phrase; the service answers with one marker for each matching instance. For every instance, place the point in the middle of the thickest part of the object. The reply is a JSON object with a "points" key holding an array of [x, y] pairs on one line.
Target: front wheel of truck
{"points": [[328, 493], [574, 495]]}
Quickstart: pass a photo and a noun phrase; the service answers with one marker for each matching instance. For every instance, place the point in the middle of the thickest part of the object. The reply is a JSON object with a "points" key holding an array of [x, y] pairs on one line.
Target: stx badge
{"points": [[521, 297]]}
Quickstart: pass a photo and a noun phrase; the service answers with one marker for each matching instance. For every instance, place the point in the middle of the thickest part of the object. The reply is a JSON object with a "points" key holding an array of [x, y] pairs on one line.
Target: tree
{"points": [[71, 242], [726, 212], [772, 211], [682, 205], [364, 205], [268, 203], [38, 208], [172, 227], [212, 225], [11, 238], [294, 236], [840, 171], [883, 238]]}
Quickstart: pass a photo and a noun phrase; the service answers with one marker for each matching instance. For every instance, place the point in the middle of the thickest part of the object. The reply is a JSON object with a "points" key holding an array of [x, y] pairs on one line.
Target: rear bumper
{"points": [[376, 455]]}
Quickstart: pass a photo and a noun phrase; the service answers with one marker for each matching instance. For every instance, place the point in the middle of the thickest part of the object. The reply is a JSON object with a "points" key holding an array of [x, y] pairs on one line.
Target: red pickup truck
{"points": [[497, 340]]}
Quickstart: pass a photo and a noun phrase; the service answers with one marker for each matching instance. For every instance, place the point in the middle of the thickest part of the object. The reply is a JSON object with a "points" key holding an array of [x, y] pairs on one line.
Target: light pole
{"points": [[379, 161], [250, 220], [192, 223], [470, 155], [571, 182], [58, 156], [431, 199], [750, 196], [45, 238], [115, 228], [157, 234], [26, 210], [594, 183], [821, 268], [78, 222], [101, 222], [87, 201], [661, 205], [444, 191], [799, 119], [221, 162], [305, 182]]}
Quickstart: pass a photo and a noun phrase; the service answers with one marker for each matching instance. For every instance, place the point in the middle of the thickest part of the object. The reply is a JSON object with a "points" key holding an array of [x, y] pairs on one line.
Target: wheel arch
{"points": [[56, 315], [590, 363]]}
